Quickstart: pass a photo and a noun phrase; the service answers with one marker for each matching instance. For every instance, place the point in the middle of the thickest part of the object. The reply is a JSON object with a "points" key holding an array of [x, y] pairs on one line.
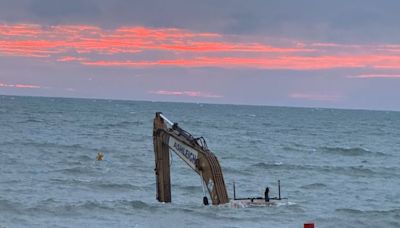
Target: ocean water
{"points": [[338, 168]]}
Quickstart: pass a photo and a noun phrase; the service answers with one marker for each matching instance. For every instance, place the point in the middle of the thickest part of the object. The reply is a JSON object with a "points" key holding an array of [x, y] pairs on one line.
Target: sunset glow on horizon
{"points": [[313, 60]]}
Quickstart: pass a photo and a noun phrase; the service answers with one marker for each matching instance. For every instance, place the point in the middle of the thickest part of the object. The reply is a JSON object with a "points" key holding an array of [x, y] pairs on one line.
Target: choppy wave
{"points": [[190, 188], [383, 218], [9, 207], [352, 151], [78, 171], [38, 144], [279, 166], [359, 171], [54, 207], [115, 186], [121, 124], [31, 120], [236, 171], [342, 151], [95, 184], [314, 186], [136, 204], [84, 158], [78, 208], [295, 147]]}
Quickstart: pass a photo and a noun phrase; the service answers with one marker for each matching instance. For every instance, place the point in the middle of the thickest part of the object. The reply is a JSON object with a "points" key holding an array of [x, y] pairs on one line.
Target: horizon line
{"points": [[206, 103]]}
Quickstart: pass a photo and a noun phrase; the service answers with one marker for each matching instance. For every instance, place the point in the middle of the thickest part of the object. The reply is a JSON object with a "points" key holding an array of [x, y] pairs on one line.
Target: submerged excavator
{"points": [[169, 137]]}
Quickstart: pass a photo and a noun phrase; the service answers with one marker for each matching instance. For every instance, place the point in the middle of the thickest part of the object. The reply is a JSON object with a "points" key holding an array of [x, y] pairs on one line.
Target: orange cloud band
{"points": [[35, 40], [94, 46], [286, 62]]}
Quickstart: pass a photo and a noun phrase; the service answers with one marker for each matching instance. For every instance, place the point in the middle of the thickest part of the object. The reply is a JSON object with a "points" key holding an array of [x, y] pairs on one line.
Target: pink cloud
{"points": [[135, 47], [186, 93], [71, 59], [23, 30], [336, 45], [284, 62], [29, 40], [20, 86], [315, 97]]}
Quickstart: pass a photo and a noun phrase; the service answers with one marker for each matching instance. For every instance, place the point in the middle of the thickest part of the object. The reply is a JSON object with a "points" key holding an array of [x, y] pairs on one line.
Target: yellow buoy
{"points": [[100, 156]]}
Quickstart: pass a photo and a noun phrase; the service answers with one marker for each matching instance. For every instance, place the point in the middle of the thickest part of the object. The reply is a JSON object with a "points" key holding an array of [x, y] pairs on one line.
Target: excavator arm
{"points": [[169, 137]]}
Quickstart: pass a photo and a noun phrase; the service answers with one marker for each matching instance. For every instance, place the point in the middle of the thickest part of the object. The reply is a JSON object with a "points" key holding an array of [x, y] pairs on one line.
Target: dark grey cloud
{"points": [[336, 21], [55, 10]]}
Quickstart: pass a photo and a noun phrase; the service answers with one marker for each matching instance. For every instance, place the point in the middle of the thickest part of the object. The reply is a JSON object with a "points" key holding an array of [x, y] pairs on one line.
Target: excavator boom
{"points": [[169, 137]]}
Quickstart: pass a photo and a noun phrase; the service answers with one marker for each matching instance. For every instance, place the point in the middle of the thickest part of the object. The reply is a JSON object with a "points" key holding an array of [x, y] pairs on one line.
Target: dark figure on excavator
{"points": [[266, 194]]}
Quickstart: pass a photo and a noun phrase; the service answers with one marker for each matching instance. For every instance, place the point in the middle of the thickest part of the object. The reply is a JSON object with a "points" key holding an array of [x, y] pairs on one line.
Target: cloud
{"points": [[186, 93], [19, 86], [20, 39], [145, 47], [282, 62], [71, 59], [341, 21]]}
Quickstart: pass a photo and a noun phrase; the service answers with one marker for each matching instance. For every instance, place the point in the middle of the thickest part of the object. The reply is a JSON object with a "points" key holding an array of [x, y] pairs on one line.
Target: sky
{"points": [[307, 53]]}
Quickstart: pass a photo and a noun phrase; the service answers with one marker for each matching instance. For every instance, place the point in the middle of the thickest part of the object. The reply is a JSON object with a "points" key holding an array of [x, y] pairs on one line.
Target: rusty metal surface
{"points": [[206, 164]]}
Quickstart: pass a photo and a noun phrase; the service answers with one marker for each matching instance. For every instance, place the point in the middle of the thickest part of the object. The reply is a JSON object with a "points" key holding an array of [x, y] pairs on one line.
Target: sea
{"points": [[337, 168]]}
